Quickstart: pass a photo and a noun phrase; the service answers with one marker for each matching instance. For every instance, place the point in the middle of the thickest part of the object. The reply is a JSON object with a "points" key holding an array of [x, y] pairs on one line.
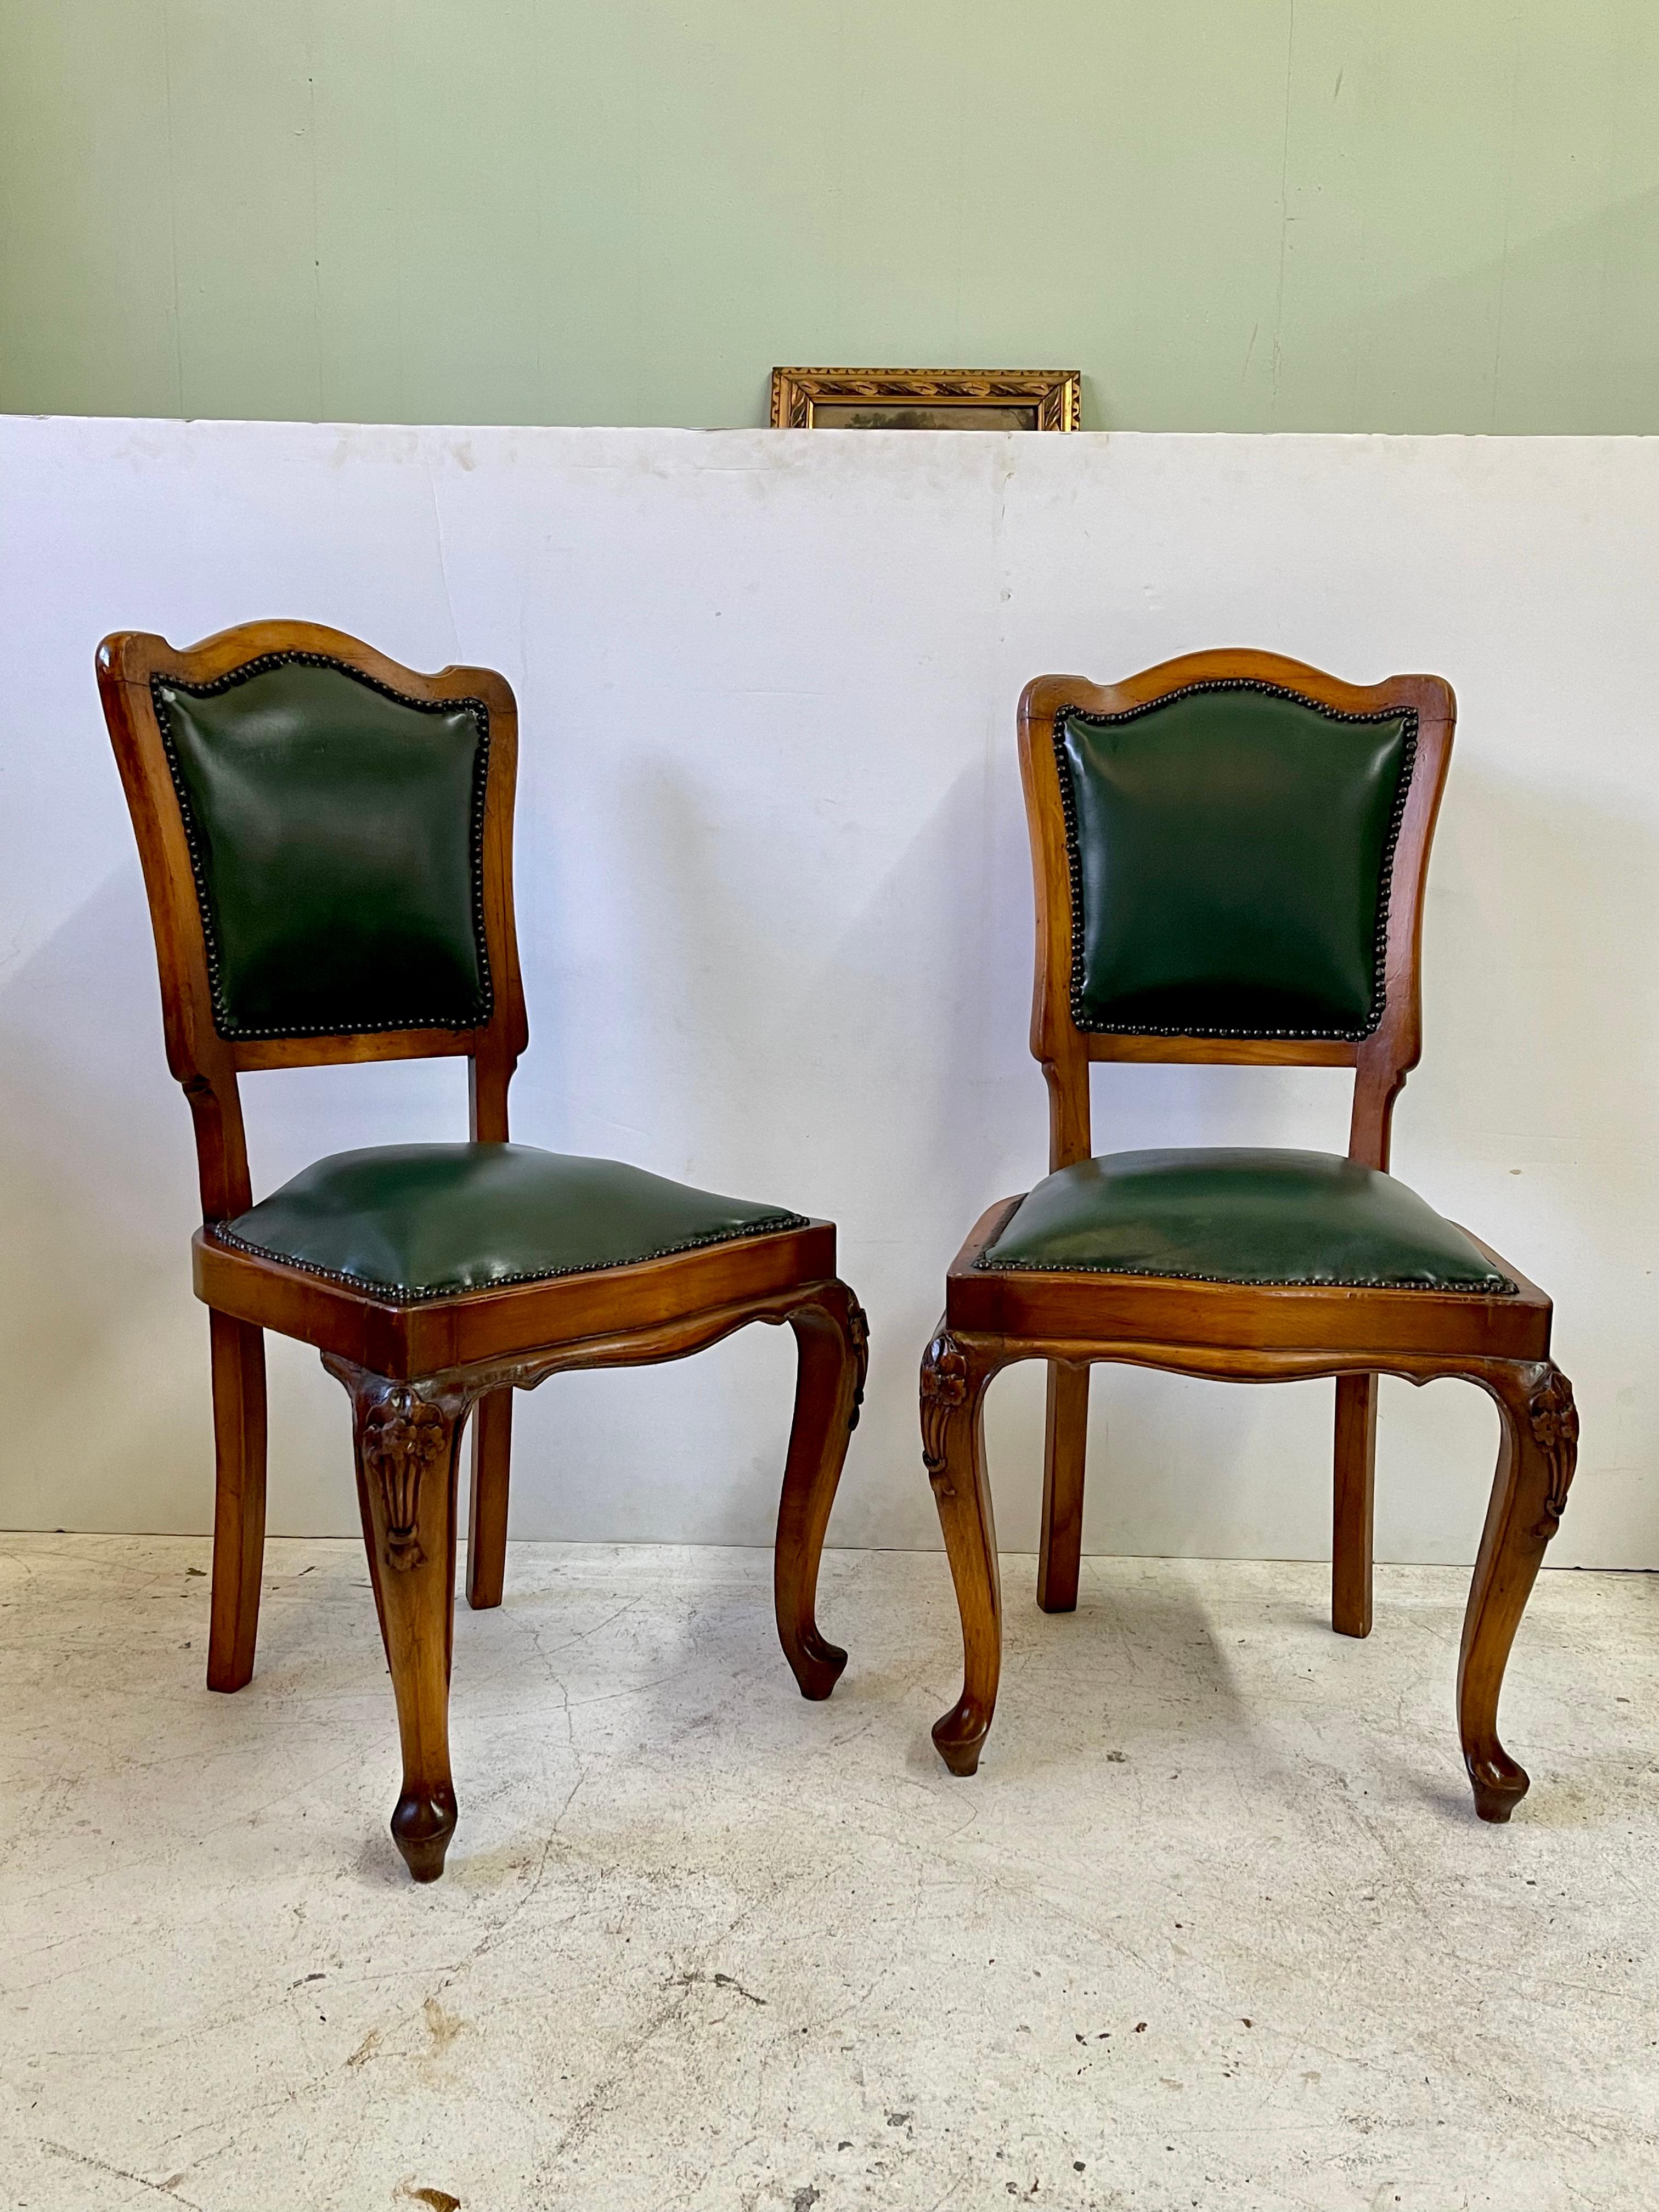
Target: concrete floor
{"points": [[1215, 1926]]}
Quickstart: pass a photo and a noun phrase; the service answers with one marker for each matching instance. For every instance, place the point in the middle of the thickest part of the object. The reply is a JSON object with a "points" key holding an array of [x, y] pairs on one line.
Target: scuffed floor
{"points": [[1214, 1927]]}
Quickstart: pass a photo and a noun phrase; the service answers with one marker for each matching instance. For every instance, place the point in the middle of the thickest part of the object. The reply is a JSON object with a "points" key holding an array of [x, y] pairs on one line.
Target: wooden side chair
{"points": [[326, 841], [1229, 854]]}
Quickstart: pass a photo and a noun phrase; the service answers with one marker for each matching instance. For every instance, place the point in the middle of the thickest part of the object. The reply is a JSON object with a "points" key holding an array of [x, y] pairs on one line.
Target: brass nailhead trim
{"points": [[1501, 1288], [1405, 715], [234, 1032], [407, 1294]]}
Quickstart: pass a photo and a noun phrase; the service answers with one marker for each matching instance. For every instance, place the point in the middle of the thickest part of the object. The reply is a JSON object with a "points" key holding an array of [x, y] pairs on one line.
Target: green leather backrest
{"points": [[1230, 846], [336, 833]]}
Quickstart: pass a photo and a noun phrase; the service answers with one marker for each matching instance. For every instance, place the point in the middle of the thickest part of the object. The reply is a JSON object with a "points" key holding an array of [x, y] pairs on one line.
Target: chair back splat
{"points": [[1230, 853], [328, 846]]}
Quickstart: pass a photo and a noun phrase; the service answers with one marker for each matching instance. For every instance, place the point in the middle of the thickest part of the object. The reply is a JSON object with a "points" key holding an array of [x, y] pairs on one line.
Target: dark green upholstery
{"points": [[336, 834], [420, 1221], [1229, 1216], [1230, 847]]}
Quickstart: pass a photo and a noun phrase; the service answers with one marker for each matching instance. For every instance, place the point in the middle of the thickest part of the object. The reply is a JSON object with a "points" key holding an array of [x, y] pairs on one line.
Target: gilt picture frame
{"points": [[927, 399]]}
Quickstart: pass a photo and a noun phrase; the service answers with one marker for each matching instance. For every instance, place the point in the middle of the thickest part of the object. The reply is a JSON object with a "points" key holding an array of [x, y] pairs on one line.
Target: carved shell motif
{"points": [[403, 1436], [943, 1386], [1554, 1421]]}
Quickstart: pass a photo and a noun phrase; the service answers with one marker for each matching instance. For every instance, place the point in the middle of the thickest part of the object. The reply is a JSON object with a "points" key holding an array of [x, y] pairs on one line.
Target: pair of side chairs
{"points": [[1229, 854]]}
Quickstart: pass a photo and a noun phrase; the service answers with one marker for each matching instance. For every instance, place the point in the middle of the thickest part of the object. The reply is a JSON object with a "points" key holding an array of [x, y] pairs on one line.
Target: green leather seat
{"points": [[1240, 1216], [424, 1221]]}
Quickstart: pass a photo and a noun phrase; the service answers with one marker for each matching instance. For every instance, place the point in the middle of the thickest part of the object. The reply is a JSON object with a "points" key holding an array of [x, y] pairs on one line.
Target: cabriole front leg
{"points": [[408, 1439], [1536, 1457], [954, 1374], [833, 1339]]}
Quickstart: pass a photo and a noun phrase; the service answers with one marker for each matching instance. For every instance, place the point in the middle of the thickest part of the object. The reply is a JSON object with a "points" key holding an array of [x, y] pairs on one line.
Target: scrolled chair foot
{"points": [[422, 1826], [959, 1736], [817, 1666], [1499, 1784]]}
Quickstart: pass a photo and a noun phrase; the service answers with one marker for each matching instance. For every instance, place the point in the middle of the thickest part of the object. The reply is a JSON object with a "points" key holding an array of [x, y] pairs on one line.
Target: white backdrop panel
{"points": [[775, 915]]}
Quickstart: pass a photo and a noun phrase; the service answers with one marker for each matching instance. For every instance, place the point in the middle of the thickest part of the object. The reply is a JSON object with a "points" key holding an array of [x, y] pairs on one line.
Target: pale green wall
{"points": [[1334, 215]]}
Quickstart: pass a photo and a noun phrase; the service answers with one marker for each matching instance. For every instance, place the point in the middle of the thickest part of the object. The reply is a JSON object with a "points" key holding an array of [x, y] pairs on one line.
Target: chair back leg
{"points": [[486, 1527], [832, 1337], [1354, 1493], [1066, 1436], [239, 1503]]}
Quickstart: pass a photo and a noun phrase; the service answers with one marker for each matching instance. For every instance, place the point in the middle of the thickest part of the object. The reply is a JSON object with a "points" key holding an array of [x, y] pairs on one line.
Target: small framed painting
{"points": [[926, 399]]}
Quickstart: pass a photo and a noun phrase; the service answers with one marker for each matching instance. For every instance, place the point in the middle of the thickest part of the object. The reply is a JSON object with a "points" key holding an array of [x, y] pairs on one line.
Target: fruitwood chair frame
{"points": [[1230, 1331], [415, 1371]]}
